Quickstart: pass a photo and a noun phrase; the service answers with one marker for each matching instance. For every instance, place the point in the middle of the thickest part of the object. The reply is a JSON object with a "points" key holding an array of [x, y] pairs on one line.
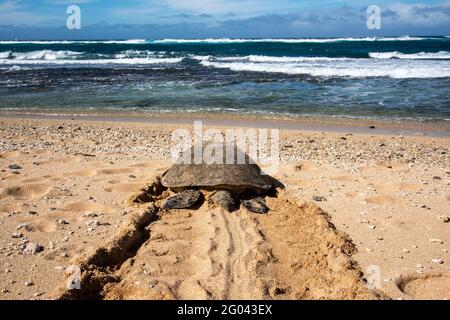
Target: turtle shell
{"points": [[236, 177], [232, 177]]}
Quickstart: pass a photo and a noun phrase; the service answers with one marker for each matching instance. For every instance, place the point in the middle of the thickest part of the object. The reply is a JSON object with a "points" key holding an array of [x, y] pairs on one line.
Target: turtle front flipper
{"points": [[223, 199], [183, 200], [256, 205]]}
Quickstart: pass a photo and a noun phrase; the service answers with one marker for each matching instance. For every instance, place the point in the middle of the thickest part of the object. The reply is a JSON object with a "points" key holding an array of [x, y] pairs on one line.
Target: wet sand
{"points": [[303, 123]]}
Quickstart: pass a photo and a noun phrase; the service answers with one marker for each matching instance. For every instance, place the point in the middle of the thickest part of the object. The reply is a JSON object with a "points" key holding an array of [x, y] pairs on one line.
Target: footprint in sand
{"points": [[143, 165], [343, 178], [381, 200], [11, 155], [82, 173], [116, 171], [114, 181], [425, 287], [397, 187], [46, 226], [10, 207], [351, 194], [44, 179], [125, 187], [26, 191], [34, 180], [380, 167], [43, 152], [155, 165], [86, 206]]}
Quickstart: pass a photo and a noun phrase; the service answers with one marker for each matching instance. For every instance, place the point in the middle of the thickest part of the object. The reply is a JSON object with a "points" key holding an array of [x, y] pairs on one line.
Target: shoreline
{"points": [[437, 129]]}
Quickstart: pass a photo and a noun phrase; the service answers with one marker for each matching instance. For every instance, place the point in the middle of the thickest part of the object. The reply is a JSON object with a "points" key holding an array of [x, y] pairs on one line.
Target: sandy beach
{"points": [[359, 204]]}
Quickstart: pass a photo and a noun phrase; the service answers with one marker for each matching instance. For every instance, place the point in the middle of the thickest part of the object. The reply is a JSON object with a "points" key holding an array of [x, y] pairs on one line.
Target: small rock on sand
{"points": [[14, 167], [33, 248], [17, 235], [22, 226], [90, 215], [319, 198], [438, 261], [94, 223]]}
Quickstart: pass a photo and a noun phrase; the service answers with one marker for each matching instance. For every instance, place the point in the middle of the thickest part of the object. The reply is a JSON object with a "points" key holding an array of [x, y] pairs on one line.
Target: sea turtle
{"points": [[225, 183]]}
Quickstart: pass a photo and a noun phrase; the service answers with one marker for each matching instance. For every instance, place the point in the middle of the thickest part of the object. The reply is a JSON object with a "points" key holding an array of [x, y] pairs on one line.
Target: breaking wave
{"points": [[131, 41], [311, 40], [331, 67], [82, 58], [441, 55]]}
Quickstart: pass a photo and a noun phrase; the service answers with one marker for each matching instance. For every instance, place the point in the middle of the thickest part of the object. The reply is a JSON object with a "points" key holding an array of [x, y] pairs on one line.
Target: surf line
{"points": [[194, 311]]}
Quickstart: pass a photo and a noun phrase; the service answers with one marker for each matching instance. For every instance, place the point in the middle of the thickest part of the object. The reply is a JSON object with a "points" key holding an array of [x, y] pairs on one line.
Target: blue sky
{"points": [[107, 19]]}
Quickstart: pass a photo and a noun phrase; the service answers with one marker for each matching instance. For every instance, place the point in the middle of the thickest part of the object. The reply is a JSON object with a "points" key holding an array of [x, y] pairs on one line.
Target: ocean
{"points": [[394, 78]]}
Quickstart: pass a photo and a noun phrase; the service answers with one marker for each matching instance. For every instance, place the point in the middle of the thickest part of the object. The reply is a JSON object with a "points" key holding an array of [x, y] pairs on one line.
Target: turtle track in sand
{"points": [[206, 254], [294, 252]]}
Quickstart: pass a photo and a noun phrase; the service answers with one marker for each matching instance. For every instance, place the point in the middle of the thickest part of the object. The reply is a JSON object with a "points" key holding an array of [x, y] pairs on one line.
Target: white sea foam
{"points": [[304, 40], [413, 56], [128, 61], [39, 55], [131, 41], [5, 55], [215, 40], [379, 65], [72, 58], [353, 68], [14, 68], [268, 59], [46, 55], [139, 54]]}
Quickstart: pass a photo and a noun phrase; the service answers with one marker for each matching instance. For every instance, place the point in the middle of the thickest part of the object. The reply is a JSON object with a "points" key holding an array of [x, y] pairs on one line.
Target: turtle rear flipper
{"points": [[224, 199], [256, 205]]}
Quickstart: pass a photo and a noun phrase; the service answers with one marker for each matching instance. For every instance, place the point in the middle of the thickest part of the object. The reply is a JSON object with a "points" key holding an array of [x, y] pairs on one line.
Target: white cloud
{"points": [[8, 5], [419, 14], [68, 2], [227, 6], [13, 12]]}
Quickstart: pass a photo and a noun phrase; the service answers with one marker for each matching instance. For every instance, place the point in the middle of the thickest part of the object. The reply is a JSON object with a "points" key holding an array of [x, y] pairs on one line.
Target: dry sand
{"points": [[387, 208]]}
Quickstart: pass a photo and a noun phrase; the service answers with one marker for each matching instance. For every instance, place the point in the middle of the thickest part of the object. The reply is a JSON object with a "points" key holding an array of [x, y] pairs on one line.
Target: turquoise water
{"points": [[386, 78]]}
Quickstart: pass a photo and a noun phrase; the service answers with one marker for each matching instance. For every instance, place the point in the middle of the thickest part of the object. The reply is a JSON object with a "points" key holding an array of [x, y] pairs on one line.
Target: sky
{"points": [[150, 19]]}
